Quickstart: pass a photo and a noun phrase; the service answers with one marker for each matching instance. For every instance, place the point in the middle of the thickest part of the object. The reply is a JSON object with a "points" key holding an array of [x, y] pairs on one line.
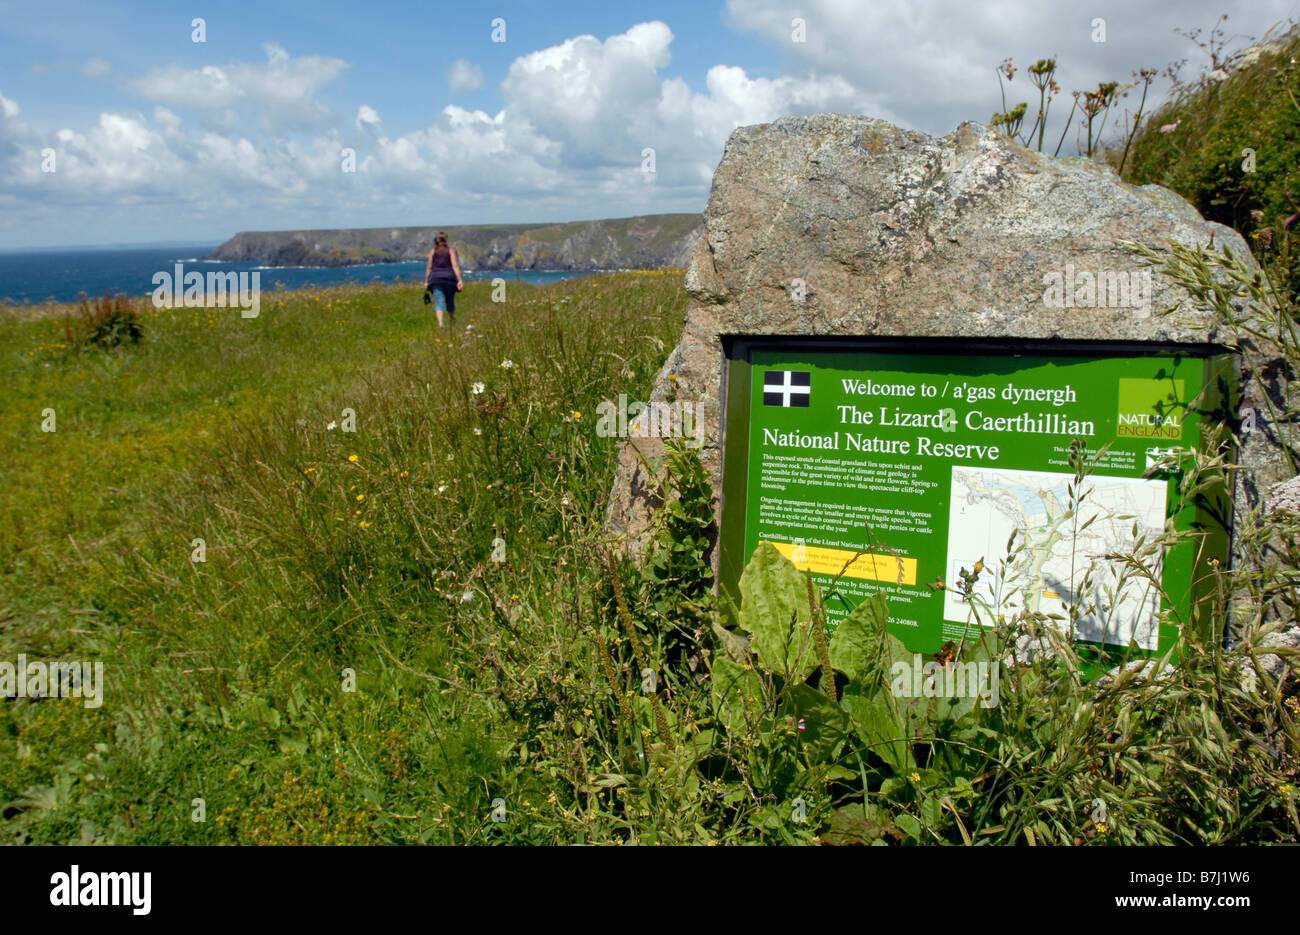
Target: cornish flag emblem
{"points": [[786, 387]]}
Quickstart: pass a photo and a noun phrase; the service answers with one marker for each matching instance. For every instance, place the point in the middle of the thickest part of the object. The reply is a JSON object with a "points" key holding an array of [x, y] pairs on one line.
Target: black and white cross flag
{"points": [[787, 387]]}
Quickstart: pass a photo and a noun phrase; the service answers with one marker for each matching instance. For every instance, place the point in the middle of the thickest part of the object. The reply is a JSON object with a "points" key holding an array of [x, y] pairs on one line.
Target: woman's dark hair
{"points": [[440, 242]]}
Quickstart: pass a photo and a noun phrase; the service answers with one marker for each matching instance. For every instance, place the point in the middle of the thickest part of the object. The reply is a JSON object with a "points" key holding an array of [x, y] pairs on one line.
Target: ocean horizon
{"points": [[32, 276]]}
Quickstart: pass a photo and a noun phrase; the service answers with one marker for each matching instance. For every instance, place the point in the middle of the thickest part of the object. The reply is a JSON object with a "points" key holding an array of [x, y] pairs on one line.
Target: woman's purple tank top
{"points": [[442, 270]]}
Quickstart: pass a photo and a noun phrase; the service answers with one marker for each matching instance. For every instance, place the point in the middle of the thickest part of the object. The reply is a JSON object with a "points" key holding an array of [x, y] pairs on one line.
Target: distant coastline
{"points": [[654, 241]]}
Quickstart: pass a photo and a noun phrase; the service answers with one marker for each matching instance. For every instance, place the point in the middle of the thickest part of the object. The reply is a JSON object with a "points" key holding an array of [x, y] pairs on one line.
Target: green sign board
{"points": [[899, 467]]}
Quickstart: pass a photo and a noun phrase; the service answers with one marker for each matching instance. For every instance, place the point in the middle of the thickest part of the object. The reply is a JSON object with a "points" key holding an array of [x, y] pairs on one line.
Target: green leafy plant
{"points": [[1228, 140], [106, 322]]}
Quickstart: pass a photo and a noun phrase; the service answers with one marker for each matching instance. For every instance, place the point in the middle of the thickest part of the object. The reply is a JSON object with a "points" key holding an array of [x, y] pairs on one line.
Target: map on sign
{"points": [[1059, 562]]}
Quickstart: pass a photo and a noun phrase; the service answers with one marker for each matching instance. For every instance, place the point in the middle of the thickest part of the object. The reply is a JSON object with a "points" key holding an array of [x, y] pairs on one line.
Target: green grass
{"points": [[1204, 158], [349, 665], [325, 551]]}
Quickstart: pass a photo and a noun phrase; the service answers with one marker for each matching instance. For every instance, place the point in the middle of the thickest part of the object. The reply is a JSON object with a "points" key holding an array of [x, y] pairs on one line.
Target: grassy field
{"points": [[278, 535], [326, 550]]}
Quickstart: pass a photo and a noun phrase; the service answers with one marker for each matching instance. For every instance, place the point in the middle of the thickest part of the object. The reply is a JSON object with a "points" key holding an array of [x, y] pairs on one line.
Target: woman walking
{"points": [[442, 277]]}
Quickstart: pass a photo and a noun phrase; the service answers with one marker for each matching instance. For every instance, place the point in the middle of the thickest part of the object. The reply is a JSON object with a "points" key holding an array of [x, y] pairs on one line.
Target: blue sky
{"points": [[157, 137]]}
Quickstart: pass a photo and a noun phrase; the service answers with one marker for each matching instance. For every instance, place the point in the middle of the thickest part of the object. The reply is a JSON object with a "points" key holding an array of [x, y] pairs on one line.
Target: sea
{"points": [[63, 275]]}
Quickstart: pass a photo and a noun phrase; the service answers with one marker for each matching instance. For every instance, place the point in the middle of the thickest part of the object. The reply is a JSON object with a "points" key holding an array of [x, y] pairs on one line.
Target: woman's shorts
{"points": [[444, 297]]}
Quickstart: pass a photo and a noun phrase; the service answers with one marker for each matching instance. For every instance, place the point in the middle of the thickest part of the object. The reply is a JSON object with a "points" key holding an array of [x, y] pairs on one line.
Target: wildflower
{"points": [[403, 474], [450, 456], [360, 497], [441, 488], [564, 501], [478, 389], [364, 524], [507, 364], [309, 470], [356, 512], [478, 431], [330, 426], [352, 458], [915, 777], [577, 416], [467, 597]]}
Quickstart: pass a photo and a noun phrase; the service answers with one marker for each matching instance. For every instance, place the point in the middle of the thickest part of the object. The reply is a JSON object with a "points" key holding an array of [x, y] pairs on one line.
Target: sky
{"points": [[132, 122]]}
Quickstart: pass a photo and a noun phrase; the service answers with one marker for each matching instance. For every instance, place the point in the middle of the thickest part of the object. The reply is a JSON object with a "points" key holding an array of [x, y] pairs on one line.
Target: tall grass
{"points": [[333, 560], [415, 632]]}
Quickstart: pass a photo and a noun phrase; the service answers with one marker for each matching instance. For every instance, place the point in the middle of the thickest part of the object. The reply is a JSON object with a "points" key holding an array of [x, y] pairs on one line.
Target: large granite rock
{"points": [[897, 233]]}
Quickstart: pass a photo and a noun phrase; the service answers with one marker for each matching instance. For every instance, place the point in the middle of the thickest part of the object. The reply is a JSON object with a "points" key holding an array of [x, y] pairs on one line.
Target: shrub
{"points": [[1229, 145], [105, 323]]}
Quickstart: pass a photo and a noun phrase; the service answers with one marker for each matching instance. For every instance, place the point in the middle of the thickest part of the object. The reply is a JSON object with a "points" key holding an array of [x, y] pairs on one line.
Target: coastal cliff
{"points": [[647, 242]]}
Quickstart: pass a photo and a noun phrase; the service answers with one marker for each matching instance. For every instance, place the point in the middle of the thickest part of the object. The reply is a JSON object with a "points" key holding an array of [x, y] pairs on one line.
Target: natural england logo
{"points": [[1071, 288], [39, 679], [951, 679], [1151, 408], [177, 288]]}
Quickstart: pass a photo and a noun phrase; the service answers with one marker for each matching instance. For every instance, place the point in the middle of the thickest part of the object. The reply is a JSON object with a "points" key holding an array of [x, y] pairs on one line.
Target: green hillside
{"points": [[1211, 128]]}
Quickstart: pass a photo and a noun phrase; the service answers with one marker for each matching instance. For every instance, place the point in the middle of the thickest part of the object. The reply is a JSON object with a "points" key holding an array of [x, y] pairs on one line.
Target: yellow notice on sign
{"points": [[824, 561]]}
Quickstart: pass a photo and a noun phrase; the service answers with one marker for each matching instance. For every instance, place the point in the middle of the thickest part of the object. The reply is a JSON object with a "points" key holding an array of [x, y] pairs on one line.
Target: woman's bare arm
{"points": [[428, 269]]}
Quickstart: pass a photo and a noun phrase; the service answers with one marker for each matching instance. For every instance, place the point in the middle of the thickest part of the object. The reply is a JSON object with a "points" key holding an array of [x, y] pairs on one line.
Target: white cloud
{"points": [[464, 76], [604, 102], [932, 62], [95, 67], [165, 118], [587, 93], [368, 120], [285, 88], [8, 108]]}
